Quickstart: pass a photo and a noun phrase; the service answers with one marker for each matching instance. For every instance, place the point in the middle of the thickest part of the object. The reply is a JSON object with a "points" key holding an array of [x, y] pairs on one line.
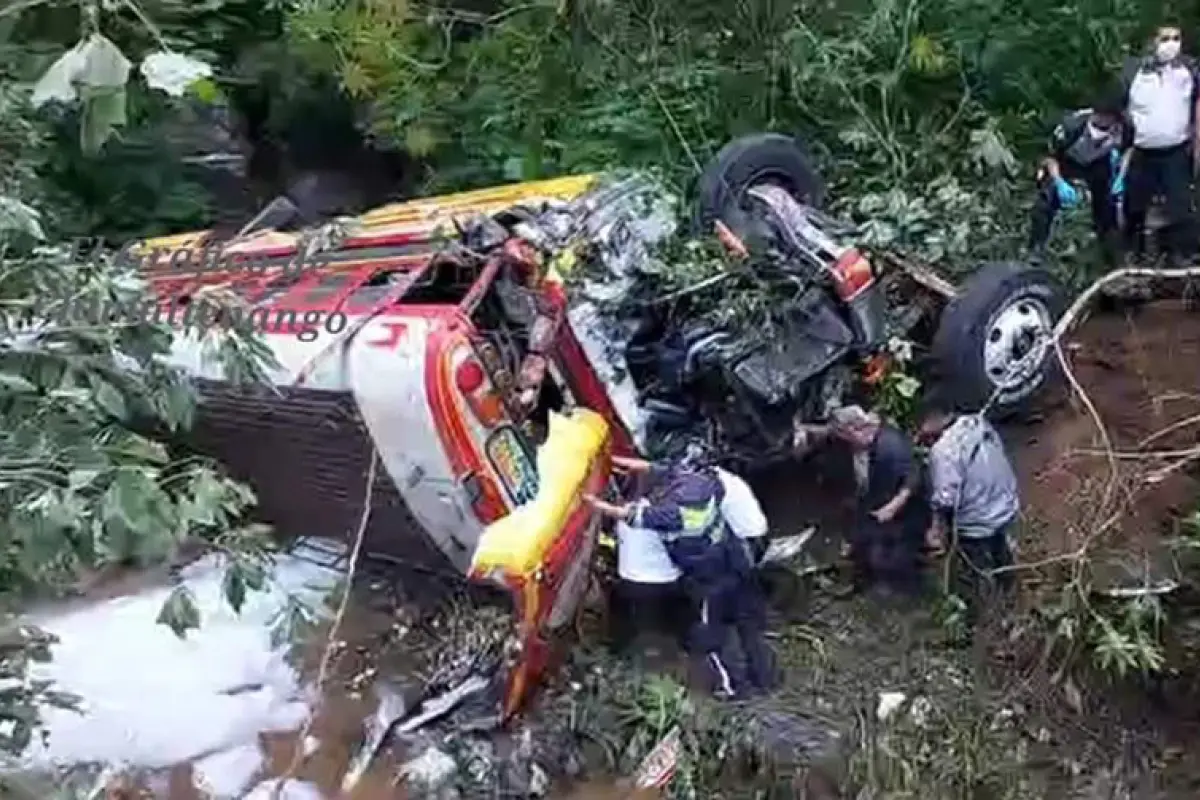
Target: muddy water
{"points": [[214, 715], [218, 715]]}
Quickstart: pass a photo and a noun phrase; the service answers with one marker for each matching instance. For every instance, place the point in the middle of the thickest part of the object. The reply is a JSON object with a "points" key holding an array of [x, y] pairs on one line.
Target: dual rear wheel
{"points": [[992, 345]]}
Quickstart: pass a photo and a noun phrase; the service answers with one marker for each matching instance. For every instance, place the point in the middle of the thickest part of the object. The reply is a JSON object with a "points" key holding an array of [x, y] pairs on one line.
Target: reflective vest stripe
{"points": [[704, 522]]}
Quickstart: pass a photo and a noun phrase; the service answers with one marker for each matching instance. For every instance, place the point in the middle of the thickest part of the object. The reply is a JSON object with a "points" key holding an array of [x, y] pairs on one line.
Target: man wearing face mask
{"points": [[1086, 148], [1161, 103]]}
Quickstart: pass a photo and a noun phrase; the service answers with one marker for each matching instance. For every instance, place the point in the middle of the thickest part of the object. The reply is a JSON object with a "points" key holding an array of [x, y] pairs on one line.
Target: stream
{"points": [[218, 715], [212, 715]]}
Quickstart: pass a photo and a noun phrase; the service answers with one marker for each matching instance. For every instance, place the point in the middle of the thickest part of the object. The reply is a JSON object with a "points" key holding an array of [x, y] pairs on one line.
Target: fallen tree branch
{"points": [[1183, 423], [1132, 455], [1125, 592], [1185, 459], [1072, 317]]}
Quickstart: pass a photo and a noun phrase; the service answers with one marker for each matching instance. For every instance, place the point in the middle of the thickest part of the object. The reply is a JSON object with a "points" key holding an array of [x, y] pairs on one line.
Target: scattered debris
{"points": [[658, 768], [425, 711], [786, 548], [429, 773], [289, 790], [889, 702]]}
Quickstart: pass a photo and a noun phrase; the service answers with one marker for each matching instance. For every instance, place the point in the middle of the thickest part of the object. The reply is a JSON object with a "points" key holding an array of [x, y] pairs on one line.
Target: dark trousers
{"points": [[661, 608], [976, 560], [1099, 177], [736, 608], [888, 554], [1166, 172]]}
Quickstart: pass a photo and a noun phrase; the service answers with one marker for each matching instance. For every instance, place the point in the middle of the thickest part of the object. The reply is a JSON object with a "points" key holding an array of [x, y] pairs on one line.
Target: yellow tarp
{"points": [[517, 544]]}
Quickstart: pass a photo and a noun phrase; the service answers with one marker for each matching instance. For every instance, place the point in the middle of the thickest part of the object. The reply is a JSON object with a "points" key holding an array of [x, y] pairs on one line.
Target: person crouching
{"points": [[648, 596], [975, 497], [892, 515], [716, 567]]}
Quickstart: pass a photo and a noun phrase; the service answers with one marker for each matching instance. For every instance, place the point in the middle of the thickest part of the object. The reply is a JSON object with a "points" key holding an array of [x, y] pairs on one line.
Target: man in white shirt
{"points": [[648, 595], [743, 513], [1161, 104]]}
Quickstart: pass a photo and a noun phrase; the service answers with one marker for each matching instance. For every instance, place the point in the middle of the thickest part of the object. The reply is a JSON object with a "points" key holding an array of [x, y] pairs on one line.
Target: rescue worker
{"points": [[716, 566], [1162, 100], [886, 540], [1087, 146], [648, 595], [974, 495], [744, 514]]}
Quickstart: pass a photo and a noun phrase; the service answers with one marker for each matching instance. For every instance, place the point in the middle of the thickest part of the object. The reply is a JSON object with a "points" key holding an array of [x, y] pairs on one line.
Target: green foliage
{"points": [[1119, 637], [117, 129], [19, 647], [927, 750], [628, 712], [85, 480], [923, 112], [898, 389], [89, 407], [138, 188], [1127, 640], [89, 410]]}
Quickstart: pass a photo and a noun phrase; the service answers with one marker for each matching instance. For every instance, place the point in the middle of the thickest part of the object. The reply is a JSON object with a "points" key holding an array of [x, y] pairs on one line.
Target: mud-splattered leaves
{"points": [[293, 621], [180, 613], [109, 398], [104, 111], [19, 696], [242, 576]]}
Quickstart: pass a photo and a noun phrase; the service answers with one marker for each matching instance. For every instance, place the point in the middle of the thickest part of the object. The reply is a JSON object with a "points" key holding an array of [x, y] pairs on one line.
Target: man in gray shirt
{"points": [[973, 492]]}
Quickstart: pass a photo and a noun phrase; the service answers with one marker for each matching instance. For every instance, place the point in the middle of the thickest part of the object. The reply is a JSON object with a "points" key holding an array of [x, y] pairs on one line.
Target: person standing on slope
{"points": [[1161, 105], [1087, 147]]}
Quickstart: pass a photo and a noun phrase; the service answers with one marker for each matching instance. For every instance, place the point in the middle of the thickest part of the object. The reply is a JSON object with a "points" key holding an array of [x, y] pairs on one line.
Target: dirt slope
{"points": [[1142, 372]]}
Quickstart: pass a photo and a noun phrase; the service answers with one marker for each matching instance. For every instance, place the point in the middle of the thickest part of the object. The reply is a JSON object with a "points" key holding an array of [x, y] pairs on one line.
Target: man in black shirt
{"points": [[1087, 147], [893, 512]]}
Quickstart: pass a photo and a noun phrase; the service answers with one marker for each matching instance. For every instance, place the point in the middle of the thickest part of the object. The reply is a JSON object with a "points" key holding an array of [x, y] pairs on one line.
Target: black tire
{"points": [[745, 162], [966, 324]]}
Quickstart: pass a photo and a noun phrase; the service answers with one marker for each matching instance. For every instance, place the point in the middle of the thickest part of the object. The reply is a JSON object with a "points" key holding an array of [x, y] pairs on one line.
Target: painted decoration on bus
{"points": [[513, 464]]}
